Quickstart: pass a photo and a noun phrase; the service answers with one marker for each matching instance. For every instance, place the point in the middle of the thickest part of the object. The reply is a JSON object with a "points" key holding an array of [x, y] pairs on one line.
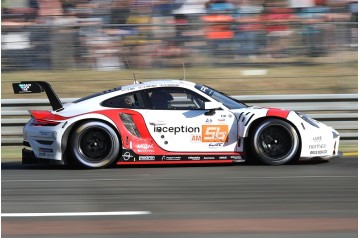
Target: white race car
{"points": [[168, 122]]}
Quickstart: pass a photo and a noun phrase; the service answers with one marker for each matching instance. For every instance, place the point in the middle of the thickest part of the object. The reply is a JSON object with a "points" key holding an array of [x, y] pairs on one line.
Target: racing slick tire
{"points": [[94, 144], [275, 142]]}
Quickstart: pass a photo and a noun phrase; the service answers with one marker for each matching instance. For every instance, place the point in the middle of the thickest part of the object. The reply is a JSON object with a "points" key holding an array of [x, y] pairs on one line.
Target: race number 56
{"points": [[214, 133]]}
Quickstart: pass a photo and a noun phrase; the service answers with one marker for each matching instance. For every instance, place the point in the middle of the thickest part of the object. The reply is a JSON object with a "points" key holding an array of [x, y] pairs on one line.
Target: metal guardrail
{"points": [[337, 110]]}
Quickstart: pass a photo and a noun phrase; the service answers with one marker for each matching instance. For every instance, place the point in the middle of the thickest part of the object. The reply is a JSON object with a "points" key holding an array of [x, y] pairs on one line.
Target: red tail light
{"points": [[44, 123], [45, 118]]}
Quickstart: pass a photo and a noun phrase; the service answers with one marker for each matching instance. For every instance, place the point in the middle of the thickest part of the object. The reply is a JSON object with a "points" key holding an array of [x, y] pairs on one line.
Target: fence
{"points": [[87, 43], [337, 110]]}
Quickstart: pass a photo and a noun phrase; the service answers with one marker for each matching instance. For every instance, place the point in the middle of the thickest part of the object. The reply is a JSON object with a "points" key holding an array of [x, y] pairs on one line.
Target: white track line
{"points": [[73, 214]]}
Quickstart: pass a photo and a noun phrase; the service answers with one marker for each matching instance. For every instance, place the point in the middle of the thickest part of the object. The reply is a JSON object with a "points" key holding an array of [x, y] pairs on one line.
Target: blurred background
{"points": [[269, 46]]}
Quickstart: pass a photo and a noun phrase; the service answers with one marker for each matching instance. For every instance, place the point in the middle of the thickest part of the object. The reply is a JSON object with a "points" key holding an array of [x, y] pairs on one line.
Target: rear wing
{"points": [[39, 87]]}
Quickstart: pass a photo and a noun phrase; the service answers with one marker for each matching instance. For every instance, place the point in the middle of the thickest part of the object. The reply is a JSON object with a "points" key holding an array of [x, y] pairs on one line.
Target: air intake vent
{"points": [[128, 122]]}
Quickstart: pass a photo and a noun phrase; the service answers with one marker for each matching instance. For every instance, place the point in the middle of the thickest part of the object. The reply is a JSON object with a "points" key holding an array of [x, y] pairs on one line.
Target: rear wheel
{"points": [[94, 144], [275, 142]]}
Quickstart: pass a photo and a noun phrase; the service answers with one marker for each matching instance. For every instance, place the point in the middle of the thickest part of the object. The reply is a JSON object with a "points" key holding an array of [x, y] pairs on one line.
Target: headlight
{"points": [[308, 119]]}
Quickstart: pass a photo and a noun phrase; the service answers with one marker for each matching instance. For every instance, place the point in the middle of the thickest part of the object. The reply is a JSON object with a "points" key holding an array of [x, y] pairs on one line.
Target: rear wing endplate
{"points": [[39, 87]]}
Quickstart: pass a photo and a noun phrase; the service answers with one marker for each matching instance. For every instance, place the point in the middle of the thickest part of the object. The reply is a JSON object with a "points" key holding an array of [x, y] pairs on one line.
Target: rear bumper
{"points": [[28, 157]]}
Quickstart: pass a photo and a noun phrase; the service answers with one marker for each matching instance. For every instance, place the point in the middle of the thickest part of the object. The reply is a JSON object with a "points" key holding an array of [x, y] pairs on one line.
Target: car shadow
{"points": [[17, 165]]}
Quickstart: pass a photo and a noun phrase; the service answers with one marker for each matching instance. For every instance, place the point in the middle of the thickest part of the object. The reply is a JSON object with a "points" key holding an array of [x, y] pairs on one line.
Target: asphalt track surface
{"points": [[312, 199]]}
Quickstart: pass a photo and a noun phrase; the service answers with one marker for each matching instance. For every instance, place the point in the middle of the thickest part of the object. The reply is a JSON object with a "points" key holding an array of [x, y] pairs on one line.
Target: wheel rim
{"points": [[95, 145], [275, 142]]}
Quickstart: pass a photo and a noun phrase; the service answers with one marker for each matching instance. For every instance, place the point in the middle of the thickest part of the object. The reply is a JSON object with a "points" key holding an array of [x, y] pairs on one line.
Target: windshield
{"points": [[225, 99]]}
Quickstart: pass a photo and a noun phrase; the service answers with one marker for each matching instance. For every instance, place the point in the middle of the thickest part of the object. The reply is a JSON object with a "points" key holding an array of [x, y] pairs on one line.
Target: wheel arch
{"points": [[258, 121], [70, 130]]}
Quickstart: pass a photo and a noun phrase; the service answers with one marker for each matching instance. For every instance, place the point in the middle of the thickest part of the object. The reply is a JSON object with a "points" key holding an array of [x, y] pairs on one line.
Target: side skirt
{"points": [[131, 158]]}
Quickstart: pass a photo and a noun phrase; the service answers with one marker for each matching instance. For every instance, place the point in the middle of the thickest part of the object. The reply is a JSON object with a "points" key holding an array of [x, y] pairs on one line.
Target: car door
{"points": [[178, 122]]}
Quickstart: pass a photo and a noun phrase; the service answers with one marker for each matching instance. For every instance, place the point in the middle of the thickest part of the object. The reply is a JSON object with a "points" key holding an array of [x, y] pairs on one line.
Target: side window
{"points": [[123, 101], [175, 99]]}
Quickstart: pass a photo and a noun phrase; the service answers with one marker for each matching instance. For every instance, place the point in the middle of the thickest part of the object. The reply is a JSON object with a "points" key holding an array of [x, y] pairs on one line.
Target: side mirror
{"points": [[212, 105]]}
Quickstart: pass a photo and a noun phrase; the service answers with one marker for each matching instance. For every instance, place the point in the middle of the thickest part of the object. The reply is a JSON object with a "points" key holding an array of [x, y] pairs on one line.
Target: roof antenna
{"points": [[184, 70], [127, 62]]}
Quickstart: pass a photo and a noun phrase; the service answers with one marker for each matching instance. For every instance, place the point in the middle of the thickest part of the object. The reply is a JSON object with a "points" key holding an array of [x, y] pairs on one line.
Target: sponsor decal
{"points": [[318, 152], [221, 120], [317, 138], [25, 87], [318, 146], [236, 157], [317, 149], [126, 156], [196, 138], [209, 158], [147, 158], [215, 145], [167, 158], [48, 133], [176, 129], [214, 133], [194, 158], [208, 120], [223, 157], [204, 89], [145, 147]]}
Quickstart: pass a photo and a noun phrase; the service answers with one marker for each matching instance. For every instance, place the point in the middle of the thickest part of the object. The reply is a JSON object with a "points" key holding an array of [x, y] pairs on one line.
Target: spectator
{"points": [[187, 17], [278, 18], [219, 32], [353, 9], [314, 30], [68, 5], [50, 9], [248, 29], [120, 11]]}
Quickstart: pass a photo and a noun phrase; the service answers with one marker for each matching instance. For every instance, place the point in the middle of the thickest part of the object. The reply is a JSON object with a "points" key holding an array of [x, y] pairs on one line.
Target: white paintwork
{"points": [[208, 135]]}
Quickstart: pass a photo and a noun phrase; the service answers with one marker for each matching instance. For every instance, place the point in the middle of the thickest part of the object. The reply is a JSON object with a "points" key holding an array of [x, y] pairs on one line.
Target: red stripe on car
{"points": [[275, 112], [46, 115], [177, 162]]}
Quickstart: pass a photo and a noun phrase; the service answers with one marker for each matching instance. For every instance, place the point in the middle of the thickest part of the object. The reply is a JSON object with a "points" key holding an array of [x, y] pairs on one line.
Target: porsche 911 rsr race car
{"points": [[168, 122]]}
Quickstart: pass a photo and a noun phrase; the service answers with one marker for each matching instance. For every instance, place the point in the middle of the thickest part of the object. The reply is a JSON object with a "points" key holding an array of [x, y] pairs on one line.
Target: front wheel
{"points": [[94, 144], [275, 142]]}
